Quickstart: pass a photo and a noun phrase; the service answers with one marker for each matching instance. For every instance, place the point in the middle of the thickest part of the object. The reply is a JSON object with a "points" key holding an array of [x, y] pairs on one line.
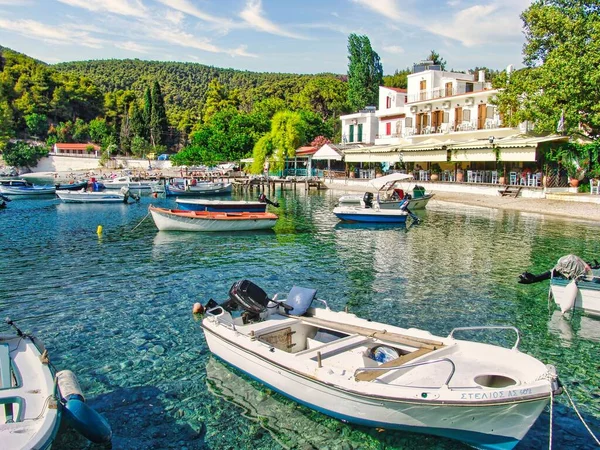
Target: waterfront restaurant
{"points": [[446, 124]]}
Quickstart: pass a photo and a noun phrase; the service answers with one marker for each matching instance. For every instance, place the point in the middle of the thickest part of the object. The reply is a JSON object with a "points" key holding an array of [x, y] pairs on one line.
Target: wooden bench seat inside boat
{"points": [[370, 375], [383, 335]]}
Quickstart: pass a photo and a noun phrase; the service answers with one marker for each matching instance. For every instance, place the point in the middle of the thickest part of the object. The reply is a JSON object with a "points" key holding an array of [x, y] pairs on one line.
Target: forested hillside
{"points": [[184, 85]]}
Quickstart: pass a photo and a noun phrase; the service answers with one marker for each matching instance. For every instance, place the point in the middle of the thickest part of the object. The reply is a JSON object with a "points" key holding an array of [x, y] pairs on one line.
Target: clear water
{"points": [[116, 309]]}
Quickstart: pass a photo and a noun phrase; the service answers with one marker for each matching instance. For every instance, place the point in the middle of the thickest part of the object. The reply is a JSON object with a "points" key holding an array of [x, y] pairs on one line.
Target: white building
{"points": [[447, 118], [360, 127], [391, 115]]}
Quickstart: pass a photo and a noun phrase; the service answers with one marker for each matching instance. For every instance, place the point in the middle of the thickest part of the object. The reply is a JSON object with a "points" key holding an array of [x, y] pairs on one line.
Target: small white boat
{"points": [[90, 197], [390, 195], [200, 188], [370, 214], [378, 375], [128, 182], [32, 406], [181, 220], [198, 204], [23, 187], [573, 284]]}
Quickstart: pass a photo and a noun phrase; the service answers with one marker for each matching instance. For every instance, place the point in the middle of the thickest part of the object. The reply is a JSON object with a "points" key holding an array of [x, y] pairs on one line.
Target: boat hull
{"points": [[588, 295], [370, 215], [199, 190], [89, 197], [37, 417], [28, 191], [179, 220], [220, 205], [413, 203], [468, 423]]}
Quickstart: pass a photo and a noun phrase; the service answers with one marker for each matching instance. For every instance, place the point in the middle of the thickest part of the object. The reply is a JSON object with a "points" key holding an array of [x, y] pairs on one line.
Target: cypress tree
{"points": [[147, 113], [158, 118], [365, 73]]}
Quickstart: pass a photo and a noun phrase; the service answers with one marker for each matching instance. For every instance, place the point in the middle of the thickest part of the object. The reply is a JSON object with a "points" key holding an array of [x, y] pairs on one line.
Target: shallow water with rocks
{"points": [[116, 309]]}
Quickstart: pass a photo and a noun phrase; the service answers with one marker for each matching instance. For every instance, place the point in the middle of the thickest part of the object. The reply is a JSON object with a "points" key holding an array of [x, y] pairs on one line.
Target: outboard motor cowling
{"points": [[368, 199]]}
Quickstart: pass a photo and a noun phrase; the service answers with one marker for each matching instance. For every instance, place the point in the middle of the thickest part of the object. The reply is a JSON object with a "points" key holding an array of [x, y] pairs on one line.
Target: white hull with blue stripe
{"points": [[484, 395], [370, 215]]}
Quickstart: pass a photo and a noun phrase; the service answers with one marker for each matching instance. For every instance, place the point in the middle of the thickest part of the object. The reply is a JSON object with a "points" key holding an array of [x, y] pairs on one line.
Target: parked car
{"points": [[164, 157]]}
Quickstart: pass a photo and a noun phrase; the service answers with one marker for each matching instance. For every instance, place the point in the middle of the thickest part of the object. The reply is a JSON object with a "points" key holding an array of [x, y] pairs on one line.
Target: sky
{"points": [[291, 36]]}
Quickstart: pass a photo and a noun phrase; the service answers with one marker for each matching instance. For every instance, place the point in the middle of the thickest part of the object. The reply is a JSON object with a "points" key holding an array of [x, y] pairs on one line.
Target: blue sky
{"points": [[298, 36]]}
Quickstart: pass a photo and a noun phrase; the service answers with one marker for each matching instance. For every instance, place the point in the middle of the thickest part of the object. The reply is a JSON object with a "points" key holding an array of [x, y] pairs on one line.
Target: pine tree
{"points": [[159, 126]]}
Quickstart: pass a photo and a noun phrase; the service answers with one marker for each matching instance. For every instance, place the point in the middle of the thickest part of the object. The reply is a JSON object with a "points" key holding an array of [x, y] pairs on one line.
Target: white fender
{"points": [[568, 299]]}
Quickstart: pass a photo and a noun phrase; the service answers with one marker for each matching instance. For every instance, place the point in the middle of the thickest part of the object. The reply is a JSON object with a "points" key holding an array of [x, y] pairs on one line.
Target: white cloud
{"points": [[479, 25], [186, 7], [394, 49], [133, 47], [122, 7], [55, 34], [253, 15], [388, 8], [175, 17]]}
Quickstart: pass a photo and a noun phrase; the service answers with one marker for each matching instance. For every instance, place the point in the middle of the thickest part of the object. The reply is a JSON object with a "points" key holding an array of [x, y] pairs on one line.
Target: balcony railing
{"points": [[442, 92]]}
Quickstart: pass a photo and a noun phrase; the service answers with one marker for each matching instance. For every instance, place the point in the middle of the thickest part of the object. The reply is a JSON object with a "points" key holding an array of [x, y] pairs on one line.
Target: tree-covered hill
{"points": [[184, 85]]}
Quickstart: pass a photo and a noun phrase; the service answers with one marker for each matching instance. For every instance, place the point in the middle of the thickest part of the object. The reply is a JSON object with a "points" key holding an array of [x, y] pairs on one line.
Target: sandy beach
{"points": [[568, 210]]}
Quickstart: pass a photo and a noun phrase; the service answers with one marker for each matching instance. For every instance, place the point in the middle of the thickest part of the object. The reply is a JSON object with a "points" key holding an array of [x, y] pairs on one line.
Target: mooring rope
{"points": [[579, 415], [145, 217], [551, 408]]}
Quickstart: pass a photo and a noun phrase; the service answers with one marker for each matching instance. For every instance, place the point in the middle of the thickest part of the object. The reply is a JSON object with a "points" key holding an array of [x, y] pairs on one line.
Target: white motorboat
{"points": [[370, 215], [390, 195], [128, 182], [198, 189], [573, 284], [34, 397], [90, 197], [23, 187], [378, 375], [181, 220]]}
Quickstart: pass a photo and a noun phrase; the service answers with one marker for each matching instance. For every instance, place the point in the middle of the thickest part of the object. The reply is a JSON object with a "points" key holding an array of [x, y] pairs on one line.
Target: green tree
{"points": [[99, 130], [437, 59], [6, 123], [218, 98], [21, 154], [147, 113], [37, 124], [365, 73], [398, 80], [159, 126], [561, 54], [326, 96], [288, 132], [81, 131]]}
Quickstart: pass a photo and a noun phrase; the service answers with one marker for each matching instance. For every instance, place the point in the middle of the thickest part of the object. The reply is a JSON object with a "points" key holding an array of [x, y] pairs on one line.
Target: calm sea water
{"points": [[116, 309]]}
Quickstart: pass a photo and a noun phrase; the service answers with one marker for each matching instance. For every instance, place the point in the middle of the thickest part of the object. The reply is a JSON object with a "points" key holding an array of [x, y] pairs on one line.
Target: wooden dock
{"points": [[271, 183]]}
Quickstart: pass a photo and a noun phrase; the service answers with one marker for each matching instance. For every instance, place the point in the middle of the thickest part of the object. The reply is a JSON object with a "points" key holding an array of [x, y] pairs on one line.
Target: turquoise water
{"points": [[116, 309]]}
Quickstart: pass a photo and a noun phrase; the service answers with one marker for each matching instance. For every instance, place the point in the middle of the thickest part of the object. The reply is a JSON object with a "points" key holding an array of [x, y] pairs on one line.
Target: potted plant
{"points": [[501, 178], [574, 173], [435, 172]]}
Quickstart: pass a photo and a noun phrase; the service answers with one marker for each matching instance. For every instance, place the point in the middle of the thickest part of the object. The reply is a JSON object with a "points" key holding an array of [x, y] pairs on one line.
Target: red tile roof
{"points": [[306, 151], [70, 146]]}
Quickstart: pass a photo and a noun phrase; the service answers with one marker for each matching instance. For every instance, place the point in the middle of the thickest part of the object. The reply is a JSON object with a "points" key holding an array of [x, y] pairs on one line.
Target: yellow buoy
{"points": [[99, 230]]}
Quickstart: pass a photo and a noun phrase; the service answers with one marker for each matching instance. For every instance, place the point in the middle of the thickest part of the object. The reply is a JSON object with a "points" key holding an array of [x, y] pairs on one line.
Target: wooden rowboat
{"points": [[181, 220]]}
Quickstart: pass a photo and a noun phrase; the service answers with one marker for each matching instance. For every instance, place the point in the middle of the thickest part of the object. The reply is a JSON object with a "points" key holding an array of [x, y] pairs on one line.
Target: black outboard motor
{"points": [[368, 199], [263, 199]]}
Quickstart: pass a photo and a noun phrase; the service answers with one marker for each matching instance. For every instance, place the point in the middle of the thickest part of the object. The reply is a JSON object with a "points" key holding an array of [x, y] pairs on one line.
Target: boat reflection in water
{"points": [[577, 326], [281, 417]]}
